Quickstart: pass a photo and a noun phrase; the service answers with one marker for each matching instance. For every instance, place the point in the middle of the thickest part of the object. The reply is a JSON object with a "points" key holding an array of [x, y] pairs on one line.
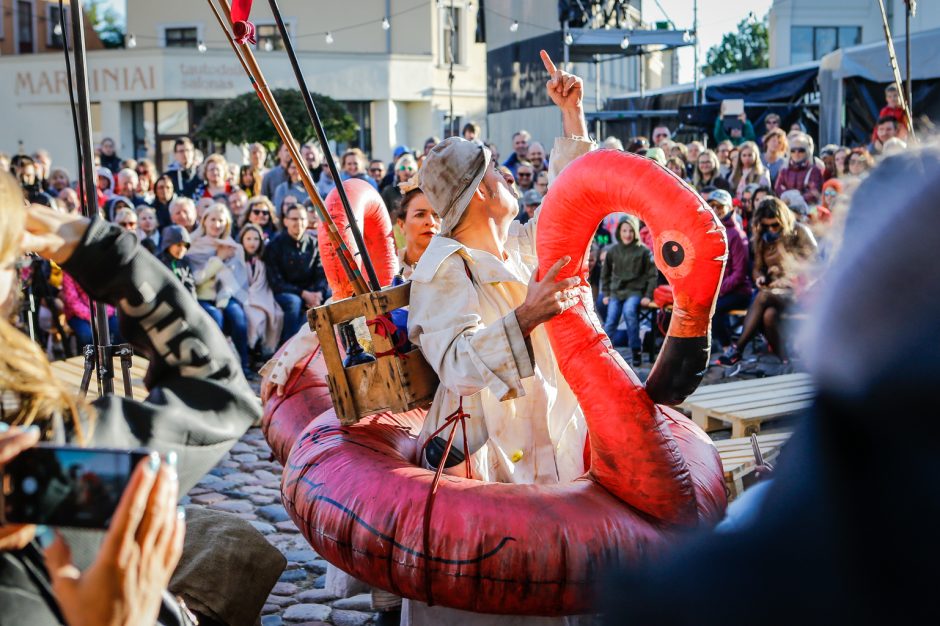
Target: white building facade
{"points": [[807, 30], [177, 66]]}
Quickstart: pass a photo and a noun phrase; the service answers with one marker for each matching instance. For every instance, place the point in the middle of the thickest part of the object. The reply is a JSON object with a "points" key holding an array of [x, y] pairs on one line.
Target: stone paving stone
{"points": [[284, 589], [349, 618], [209, 498], [267, 609], [241, 459], [320, 582], [301, 556], [197, 491], [241, 446], [306, 612], [260, 499], [233, 506], [280, 601], [361, 602], [274, 513], [293, 575], [271, 620], [315, 596], [287, 527], [263, 527]]}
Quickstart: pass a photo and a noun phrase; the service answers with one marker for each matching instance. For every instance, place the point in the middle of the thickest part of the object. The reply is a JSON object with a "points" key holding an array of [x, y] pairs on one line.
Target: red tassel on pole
{"points": [[242, 29]]}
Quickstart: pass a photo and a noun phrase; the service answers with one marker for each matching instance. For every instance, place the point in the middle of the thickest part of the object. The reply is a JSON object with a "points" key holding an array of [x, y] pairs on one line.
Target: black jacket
{"points": [[184, 181], [198, 406], [294, 266]]}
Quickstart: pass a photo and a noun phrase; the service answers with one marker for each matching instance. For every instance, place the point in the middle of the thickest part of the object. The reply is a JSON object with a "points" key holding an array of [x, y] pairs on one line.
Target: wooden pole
{"points": [[902, 97], [250, 65]]}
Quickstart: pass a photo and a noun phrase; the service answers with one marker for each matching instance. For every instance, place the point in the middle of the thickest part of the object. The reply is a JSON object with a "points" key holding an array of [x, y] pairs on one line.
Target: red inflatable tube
{"points": [[376, 226], [306, 395], [358, 497]]}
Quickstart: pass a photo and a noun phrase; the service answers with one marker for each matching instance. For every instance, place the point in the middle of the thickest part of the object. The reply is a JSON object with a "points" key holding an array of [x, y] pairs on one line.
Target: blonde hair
{"points": [[783, 145], [25, 374], [757, 171], [218, 207]]}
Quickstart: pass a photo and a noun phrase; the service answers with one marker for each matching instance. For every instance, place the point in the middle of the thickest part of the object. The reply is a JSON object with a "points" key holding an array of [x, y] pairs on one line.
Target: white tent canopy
{"points": [[871, 62]]}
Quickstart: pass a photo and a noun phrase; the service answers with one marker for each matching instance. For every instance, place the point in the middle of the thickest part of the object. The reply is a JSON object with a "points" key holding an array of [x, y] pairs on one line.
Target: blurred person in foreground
{"points": [[189, 367], [845, 533]]}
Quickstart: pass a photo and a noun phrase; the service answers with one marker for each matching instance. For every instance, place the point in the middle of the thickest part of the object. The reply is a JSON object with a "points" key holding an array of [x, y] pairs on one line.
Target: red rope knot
{"points": [[383, 326], [458, 416], [244, 32]]}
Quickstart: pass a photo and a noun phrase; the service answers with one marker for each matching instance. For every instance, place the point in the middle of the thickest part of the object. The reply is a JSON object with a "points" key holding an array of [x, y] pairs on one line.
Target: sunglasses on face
{"points": [[802, 150], [775, 226], [523, 175], [128, 224], [406, 169], [260, 212], [375, 169], [830, 192]]}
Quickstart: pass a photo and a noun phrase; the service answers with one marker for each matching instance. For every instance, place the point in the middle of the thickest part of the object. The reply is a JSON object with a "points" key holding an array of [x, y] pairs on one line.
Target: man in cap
{"points": [[531, 200], [476, 313], [487, 345]]}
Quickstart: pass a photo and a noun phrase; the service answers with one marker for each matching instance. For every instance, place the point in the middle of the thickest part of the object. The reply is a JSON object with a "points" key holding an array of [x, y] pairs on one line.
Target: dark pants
{"points": [[294, 309], [721, 322], [82, 330], [233, 323]]}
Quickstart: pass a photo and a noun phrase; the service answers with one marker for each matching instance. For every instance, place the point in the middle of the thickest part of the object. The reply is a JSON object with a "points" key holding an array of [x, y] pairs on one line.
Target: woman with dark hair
{"points": [[860, 161], [249, 180], [260, 211], [163, 196], [782, 246], [419, 223]]}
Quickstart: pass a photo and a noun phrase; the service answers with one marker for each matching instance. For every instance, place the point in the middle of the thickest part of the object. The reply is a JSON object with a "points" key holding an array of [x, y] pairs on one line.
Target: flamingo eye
{"points": [[673, 253]]}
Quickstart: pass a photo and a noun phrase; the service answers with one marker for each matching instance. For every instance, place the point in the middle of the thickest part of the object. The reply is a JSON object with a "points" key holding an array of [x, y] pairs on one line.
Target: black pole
{"points": [[87, 174], [327, 154], [907, 35]]}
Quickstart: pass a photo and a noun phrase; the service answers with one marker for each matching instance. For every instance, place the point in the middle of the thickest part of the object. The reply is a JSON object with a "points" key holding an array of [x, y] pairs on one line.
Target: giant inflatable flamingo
{"points": [[359, 498]]}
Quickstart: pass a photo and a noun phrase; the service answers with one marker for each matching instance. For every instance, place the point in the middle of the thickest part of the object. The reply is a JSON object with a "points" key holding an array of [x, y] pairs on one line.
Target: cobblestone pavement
{"points": [[246, 483]]}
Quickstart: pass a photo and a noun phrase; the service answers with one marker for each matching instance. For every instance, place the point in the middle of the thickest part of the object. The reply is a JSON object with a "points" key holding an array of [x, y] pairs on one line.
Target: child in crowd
{"points": [[265, 317], [176, 242], [628, 277]]}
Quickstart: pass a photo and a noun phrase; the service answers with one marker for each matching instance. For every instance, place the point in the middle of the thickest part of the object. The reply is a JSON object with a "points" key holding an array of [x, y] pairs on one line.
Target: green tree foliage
{"points": [[746, 48], [106, 22], [243, 120]]}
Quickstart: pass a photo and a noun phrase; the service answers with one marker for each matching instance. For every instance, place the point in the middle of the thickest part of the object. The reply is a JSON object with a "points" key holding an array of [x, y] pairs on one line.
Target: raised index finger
{"points": [[547, 61], [552, 273]]}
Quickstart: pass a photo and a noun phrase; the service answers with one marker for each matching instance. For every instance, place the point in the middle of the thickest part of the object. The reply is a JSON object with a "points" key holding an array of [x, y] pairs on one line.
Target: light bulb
{"points": [[57, 30], [131, 41], [514, 27], [329, 37], [268, 45], [385, 24], [201, 47], [625, 42], [568, 39]]}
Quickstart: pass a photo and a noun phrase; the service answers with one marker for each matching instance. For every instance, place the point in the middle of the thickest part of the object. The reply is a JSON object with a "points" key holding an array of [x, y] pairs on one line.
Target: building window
{"points": [[186, 37], [269, 37], [811, 43], [24, 26], [53, 40], [451, 31]]}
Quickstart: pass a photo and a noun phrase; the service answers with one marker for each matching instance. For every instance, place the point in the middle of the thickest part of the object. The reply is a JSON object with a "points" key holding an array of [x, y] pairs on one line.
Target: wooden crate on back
{"points": [[394, 382]]}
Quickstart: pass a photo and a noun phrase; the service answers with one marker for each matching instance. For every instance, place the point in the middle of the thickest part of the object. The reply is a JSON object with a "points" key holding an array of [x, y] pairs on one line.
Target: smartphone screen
{"points": [[66, 486]]}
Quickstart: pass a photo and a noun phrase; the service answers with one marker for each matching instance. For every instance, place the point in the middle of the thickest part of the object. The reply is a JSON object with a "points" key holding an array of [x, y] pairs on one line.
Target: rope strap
{"points": [[383, 326], [458, 416]]}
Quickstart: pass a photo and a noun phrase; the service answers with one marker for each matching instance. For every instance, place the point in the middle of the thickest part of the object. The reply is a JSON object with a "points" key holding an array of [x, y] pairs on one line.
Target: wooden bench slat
{"points": [[755, 396], [735, 406], [769, 381]]}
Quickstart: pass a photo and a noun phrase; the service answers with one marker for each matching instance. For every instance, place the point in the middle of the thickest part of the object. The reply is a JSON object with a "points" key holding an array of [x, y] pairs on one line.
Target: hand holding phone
{"points": [[139, 554]]}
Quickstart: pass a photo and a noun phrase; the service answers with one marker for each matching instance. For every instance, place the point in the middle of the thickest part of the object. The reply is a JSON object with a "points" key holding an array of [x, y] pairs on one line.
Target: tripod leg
{"points": [[127, 354], [89, 367]]}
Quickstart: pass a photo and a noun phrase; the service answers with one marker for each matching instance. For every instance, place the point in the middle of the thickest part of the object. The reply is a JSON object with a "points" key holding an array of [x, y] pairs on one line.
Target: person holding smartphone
{"points": [[198, 406]]}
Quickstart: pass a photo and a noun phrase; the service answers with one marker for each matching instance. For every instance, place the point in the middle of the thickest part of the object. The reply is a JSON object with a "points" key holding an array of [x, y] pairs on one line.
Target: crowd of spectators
{"points": [[241, 236]]}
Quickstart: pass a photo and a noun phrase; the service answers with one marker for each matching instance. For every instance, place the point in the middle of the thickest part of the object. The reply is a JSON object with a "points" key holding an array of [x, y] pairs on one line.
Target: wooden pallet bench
{"points": [[737, 459], [746, 404], [70, 371]]}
